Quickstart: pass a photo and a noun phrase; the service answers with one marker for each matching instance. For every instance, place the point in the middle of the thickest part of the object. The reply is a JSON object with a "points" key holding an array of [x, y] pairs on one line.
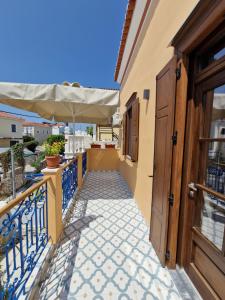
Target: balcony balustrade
{"points": [[58, 243], [69, 183], [35, 219], [23, 236]]}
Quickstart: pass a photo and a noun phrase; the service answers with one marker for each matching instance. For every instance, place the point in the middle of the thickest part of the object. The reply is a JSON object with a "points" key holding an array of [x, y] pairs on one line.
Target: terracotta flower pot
{"points": [[52, 161], [95, 146], [112, 146]]}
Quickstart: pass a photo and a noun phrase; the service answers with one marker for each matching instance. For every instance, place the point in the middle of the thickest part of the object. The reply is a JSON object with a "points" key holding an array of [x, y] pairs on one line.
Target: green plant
{"points": [[55, 138], [59, 138], [89, 130], [38, 163], [31, 145], [5, 161], [28, 138], [54, 149], [18, 154], [5, 158]]}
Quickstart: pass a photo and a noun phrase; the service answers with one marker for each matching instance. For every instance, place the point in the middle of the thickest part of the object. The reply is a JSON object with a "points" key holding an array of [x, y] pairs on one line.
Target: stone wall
{"points": [[6, 183]]}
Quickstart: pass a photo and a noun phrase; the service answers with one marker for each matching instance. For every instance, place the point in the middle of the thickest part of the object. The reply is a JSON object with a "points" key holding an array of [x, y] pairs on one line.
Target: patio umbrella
{"points": [[62, 103]]}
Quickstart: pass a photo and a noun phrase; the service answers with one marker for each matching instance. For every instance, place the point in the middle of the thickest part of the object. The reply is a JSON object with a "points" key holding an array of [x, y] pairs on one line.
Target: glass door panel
{"points": [[211, 177]]}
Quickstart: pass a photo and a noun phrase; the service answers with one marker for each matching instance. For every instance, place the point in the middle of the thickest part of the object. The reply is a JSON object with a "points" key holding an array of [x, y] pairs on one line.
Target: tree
{"points": [[89, 130], [54, 138], [30, 143]]}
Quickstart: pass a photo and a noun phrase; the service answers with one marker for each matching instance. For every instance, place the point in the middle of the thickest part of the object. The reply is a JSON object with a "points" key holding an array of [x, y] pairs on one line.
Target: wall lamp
{"points": [[146, 94]]}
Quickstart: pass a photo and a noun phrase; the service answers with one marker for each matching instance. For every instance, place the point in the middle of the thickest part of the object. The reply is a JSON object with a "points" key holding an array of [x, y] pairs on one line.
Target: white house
{"points": [[39, 131], [11, 130], [77, 143], [58, 129]]}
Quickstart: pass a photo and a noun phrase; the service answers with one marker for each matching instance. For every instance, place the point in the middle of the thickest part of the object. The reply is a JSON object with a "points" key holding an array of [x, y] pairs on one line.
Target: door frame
{"points": [[187, 42], [206, 17], [189, 237]]}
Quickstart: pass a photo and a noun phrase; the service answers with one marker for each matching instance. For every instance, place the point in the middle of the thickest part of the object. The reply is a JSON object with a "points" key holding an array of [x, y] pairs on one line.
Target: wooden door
{"points": [[164, 125], [205, 163]]}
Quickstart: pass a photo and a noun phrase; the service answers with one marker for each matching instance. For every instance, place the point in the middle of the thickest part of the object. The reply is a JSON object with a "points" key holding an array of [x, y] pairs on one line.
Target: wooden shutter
{"points": [[135, 130], [124, 133], [164, 123]]}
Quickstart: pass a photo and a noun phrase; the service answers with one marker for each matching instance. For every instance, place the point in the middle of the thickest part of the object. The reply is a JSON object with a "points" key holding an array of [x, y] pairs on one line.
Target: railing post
{"points": [[55, 224], [79, 170], [88, 159]]}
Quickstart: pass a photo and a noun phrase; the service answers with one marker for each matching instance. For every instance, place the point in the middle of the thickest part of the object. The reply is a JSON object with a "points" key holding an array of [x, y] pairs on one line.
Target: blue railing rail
{"points": [[23, 237], [84, 163], [69, 182]]}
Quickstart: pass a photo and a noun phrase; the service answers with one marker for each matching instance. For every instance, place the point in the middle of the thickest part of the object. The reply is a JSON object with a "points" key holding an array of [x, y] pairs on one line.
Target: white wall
{"points": [[28, 130], [58, 130], [6, 128], [40, 133]]}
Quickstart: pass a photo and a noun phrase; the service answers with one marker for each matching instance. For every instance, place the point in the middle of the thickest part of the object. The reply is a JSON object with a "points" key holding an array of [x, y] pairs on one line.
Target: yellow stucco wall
{"points": [[152, 54], [102, 159]]}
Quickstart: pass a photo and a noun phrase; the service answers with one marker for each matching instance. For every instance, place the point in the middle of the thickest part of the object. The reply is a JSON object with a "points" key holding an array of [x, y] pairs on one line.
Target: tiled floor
{"points": [[105, 251]]}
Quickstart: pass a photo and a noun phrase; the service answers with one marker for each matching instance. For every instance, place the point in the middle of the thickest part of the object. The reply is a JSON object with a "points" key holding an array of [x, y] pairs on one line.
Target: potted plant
{"points": [[111, 146], [95, 145], [52, 155]]}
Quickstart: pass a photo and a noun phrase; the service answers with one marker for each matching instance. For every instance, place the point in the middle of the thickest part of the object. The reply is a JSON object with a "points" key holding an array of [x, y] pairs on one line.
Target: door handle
{"points": [[192, 189]]}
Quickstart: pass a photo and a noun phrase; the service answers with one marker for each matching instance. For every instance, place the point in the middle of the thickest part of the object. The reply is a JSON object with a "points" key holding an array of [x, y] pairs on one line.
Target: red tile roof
{"points": [[33, 124], [126, 27], [10, 116]]}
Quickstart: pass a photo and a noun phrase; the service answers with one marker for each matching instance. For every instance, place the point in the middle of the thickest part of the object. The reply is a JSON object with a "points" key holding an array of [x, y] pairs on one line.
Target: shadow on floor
{"points": [[58, 279]]}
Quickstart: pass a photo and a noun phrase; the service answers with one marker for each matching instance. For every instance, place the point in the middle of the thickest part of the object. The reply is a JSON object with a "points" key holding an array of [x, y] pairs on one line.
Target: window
{"points": [[212, 50], [13, 128], [12, 143], [131, 128]]}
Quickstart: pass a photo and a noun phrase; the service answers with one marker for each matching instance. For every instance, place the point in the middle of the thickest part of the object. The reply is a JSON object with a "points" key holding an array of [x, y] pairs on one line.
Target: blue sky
{"points": [[51, 41]]}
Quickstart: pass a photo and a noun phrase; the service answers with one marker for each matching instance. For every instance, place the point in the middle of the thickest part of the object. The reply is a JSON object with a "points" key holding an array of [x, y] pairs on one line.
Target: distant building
{"points": [[107, 133], [11, 130], [39, 131], [58, 129]]}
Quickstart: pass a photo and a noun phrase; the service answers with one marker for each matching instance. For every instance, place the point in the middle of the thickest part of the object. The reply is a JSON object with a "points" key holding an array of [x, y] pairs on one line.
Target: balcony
{"points": [[78, 234]]}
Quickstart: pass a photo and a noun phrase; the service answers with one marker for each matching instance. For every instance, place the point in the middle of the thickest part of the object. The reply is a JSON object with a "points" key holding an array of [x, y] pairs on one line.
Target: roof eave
{"points": [[126, 28]]}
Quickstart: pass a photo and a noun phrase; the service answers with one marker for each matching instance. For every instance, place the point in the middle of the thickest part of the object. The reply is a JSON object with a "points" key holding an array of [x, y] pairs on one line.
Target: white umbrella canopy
{"points": [[62, 103]]}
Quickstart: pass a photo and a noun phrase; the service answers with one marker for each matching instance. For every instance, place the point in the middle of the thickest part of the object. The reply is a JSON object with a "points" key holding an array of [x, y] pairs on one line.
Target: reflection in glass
{"points": [[215, 167], [209, 57], [213, 208], [213, 219], [218, 113]]}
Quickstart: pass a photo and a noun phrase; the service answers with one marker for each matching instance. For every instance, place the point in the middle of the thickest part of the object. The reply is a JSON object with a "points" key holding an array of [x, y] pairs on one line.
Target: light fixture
{"points": [[146, 94]]}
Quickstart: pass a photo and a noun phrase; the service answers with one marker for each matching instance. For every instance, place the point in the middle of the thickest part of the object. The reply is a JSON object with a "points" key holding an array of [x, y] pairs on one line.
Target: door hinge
{"points": [[167, 255], [174, 138], [171, 199], [178, 72]]}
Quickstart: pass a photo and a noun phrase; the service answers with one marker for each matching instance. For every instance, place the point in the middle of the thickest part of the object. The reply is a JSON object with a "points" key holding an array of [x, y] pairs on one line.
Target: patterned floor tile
{"points": [[105, 251]]}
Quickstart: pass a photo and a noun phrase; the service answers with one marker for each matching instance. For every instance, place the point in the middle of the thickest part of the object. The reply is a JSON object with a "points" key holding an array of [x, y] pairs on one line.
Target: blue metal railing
{"points": [[69, 183], [23, 237], [84, 163]]}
